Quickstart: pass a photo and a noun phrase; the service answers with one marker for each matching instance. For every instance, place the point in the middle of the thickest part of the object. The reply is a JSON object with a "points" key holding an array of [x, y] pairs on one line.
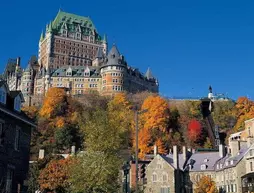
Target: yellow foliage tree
{"points": [[53, 103], [30, 111], [205, 185], [244, 110], [121, 116]]}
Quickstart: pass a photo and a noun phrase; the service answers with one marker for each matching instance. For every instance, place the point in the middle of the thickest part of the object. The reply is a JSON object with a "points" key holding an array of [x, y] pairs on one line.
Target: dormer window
{"points": [[17, 103], [2, 95], [232, 162], [227, 163], [206, 160], [203, 167]]}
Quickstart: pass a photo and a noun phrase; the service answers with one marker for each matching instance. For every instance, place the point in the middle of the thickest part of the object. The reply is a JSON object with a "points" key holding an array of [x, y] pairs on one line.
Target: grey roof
{"points": [[77, 71], [169, 159], [236, 159], [99, 53], [114, 58], [148, 74], [198, 159]]}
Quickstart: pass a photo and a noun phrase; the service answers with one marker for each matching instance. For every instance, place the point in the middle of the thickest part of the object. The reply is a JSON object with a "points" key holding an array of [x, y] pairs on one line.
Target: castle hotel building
{"points": [[73, 55]]}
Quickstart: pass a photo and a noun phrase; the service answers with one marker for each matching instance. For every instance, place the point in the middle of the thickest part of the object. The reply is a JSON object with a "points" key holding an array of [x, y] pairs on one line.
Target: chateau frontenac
{"points": [[72, 55]]}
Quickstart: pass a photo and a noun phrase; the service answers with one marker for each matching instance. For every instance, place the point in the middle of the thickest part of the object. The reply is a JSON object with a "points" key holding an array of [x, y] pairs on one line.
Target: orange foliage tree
{"points": [[244, 110], [30, 111], [153, 124], [194, 130], [54, 177], [205, 185]]}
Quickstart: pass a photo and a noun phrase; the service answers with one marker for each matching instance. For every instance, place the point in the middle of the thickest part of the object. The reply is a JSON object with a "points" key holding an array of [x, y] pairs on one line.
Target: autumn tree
{"points": [[206, 185], [120, 115], [154, 124], [194, 130], [54, 103], [208, 144], [54, 177], [244, 110], [31, 111]]}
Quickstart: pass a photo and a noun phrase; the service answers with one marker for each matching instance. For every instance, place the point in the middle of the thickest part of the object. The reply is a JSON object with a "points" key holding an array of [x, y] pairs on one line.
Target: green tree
{"points": [[97, 169], [95, 172], [33, 175]]}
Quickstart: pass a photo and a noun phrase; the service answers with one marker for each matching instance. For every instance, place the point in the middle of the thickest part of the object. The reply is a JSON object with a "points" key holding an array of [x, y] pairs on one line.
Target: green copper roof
{"points": [[105, 38], [70, 19], [50, 27], [42, 37]]}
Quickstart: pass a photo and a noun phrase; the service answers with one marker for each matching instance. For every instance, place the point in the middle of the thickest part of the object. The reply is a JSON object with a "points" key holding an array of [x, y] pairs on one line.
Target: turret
{"points": [[112, 72], [42, 37], [98, 58]]}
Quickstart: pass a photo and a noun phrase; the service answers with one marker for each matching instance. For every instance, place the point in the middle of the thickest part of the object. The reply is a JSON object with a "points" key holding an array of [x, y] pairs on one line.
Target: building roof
{"points": [[77, 71], [169, 158], [72, 21], [232, 160], [200, 158]]}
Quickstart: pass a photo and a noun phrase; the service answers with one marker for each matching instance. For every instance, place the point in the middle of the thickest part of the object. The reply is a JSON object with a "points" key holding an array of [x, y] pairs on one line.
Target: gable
{"points": [[159, 160]]}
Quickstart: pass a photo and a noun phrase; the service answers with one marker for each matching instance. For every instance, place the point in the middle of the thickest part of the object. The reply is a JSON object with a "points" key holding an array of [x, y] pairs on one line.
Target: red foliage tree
{"points": [[194, 130]]}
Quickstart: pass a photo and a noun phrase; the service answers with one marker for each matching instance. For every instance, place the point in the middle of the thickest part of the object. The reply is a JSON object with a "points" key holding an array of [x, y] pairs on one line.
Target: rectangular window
{"points": [[17, 139], [251, 166]]}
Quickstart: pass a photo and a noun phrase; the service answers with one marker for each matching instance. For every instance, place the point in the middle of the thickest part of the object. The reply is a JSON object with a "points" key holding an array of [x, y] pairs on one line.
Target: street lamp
{"points": [[136, 149], [126, 168]]}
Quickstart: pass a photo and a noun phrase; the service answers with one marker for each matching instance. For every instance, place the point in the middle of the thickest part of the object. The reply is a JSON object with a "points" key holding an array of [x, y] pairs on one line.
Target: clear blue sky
{"points": [[188, 44]]}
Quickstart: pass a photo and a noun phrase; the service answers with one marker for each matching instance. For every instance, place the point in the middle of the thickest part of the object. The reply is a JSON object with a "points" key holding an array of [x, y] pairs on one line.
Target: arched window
{"points": [[165, 177]]}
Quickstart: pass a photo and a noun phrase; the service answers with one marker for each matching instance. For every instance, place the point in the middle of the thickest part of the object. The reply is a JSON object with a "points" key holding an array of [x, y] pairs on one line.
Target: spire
{"points": [[148, 74], [210, 89], [47, 27], [42, 36], [50, 27], [105, 38], [29, 67]]}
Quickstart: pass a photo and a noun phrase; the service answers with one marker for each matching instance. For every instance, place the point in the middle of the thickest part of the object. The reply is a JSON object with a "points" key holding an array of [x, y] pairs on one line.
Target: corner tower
{"points": [[113, 72]]}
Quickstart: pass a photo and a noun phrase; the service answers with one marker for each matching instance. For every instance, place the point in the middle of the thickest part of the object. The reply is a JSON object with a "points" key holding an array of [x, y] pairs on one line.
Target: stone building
{"points": [[232, 167], [15, 134]]}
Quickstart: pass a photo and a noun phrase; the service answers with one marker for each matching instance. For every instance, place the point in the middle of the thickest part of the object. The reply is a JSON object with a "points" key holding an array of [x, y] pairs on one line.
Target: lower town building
{"points": [[232, 167], [15, 135]]}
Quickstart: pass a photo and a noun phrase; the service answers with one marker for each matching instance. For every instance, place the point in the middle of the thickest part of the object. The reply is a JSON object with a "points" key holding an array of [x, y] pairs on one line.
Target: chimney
{"points": [[175, 157], [221, 150], [73, 149], [184, 153], [155, 150], [234, 147], [189, 149], [41, 153]]}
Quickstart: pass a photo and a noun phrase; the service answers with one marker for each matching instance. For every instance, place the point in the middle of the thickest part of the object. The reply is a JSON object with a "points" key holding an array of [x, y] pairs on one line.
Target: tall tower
{"points": [[105, 44], [27, 82], [69, 40], [112, 72]]}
